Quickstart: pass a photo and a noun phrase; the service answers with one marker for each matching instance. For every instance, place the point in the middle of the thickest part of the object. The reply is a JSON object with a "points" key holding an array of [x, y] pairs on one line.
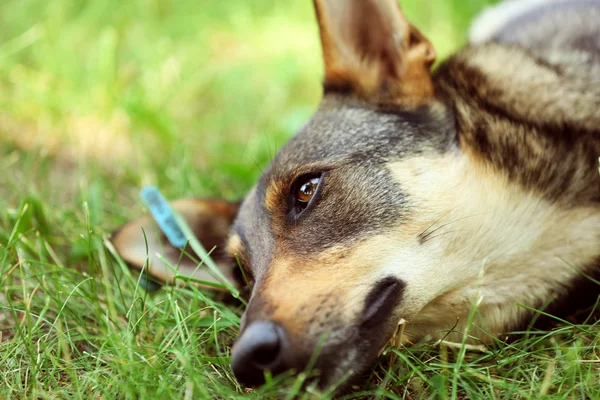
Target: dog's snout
{"points": [[259, 349]]}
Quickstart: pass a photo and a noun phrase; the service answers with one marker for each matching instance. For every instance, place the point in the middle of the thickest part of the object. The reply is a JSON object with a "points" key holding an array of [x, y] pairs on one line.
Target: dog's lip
{"points": [[381, 301]]}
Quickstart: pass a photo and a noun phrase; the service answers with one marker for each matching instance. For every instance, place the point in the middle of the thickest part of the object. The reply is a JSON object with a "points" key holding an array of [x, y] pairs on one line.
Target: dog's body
{"points": [[427, 196], [529, 159]]}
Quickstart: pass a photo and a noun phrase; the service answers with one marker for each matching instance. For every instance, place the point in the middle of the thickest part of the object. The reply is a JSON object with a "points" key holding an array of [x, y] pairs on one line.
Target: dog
{"points": [[412, 196]]}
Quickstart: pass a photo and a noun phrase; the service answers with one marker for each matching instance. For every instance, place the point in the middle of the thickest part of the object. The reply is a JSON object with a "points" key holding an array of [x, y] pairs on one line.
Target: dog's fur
{"points": [[475, 186]]}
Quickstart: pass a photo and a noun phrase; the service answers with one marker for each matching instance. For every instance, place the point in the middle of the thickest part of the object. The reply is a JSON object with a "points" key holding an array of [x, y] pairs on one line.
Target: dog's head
{"points": [[333, 232]]}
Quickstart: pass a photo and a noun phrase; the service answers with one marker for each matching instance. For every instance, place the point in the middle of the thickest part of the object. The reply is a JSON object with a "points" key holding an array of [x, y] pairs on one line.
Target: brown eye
{"points": [[305, 191]]}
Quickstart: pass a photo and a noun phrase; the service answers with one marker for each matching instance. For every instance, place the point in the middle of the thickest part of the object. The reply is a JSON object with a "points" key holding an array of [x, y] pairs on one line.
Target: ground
{"points": [[101, 97]]}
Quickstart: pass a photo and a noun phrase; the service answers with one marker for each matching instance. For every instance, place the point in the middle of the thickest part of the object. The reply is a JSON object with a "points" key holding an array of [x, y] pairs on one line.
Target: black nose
{"points": [[259, 349]]}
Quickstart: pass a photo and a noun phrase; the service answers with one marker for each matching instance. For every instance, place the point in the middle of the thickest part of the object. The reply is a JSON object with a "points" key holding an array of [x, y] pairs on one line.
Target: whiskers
{"points": [[430, 232]]}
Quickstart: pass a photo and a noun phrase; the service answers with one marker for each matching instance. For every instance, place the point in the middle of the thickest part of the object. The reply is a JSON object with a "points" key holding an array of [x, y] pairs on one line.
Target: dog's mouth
{"points": [[265, 345], [382, 300]]}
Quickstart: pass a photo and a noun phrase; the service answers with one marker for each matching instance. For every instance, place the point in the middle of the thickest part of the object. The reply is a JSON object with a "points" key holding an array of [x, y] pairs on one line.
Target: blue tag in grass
{"points": [[163, 215], [178, 232]]}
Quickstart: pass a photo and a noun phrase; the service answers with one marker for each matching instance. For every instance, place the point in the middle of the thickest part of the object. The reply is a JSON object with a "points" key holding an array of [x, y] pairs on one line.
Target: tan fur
{"points": [[325, 278], [476, 253], [273, 195], [532, 118], [234, 245], [565, 92]]}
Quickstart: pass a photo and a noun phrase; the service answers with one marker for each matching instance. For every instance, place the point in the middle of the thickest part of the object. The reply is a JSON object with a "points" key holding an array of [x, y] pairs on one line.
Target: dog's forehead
{"points": [[344, 130]]}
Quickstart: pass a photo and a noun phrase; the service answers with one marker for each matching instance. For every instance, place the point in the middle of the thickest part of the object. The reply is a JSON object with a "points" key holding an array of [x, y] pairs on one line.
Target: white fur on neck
{"points": [[490, 239]]}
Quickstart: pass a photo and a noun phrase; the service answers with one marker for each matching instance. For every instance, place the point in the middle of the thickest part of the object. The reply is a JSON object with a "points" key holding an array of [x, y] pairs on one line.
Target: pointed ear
{"points": [[372, 50], [141, 240]]}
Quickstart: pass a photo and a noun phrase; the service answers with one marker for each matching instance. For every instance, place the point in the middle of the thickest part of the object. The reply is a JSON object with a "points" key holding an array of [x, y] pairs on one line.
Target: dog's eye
{"points": [[307, 190], [304, 190]]}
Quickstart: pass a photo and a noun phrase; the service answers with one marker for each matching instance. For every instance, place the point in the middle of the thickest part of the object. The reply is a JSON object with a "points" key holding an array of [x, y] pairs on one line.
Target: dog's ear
{"points": [[371, 49], [141, 242]]}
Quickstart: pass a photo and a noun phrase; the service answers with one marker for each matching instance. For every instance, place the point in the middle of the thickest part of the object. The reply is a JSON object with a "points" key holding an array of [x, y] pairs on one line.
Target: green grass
{"points": [[98, 98]]}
